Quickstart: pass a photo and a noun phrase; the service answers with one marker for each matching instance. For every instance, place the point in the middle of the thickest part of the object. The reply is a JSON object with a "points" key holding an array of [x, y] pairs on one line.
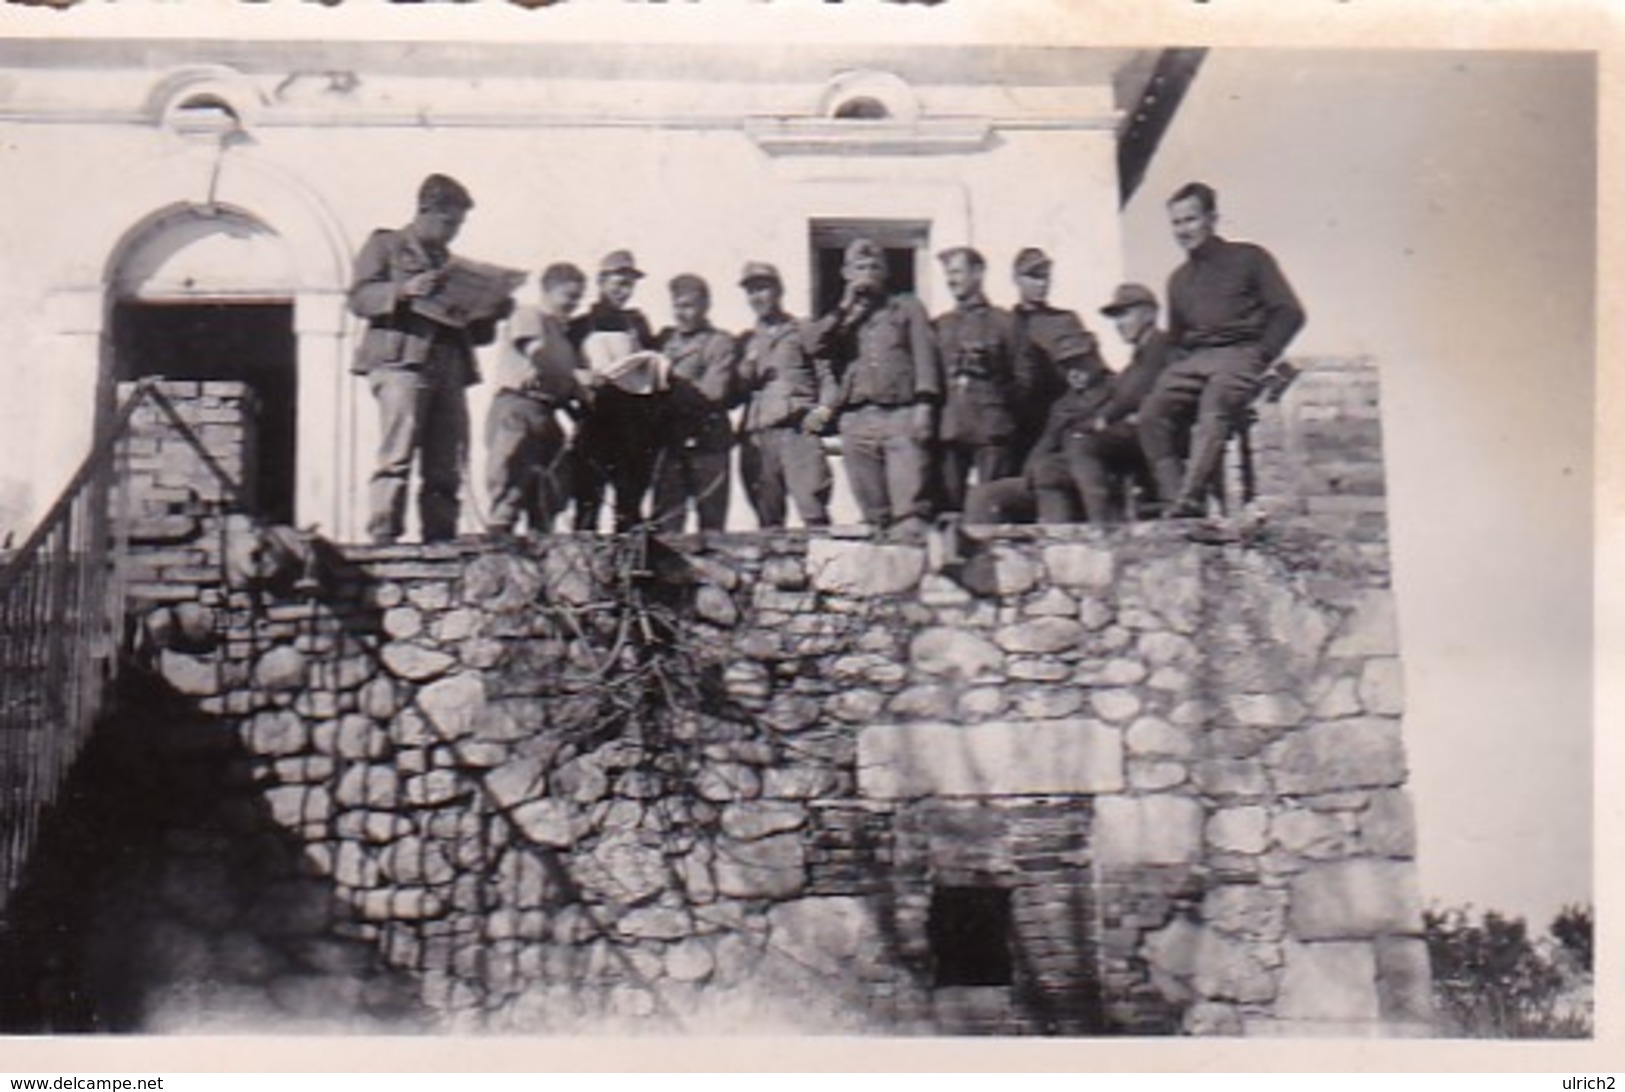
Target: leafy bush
{"points": [[1492, 980]]}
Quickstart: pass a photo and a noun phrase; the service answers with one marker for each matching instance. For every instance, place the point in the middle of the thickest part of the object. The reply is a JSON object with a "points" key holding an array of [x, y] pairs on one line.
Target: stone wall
{"points": [[572, 782], [1131, 780]]}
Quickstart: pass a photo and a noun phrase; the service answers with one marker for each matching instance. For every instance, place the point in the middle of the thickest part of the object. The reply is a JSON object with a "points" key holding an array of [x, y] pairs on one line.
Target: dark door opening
{"points": [[969, 933], [901, 239], [249, 343]]}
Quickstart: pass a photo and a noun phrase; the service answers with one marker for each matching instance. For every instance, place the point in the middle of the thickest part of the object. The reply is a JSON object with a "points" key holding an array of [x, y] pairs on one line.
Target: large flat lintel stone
{"points": [[995, 758]]}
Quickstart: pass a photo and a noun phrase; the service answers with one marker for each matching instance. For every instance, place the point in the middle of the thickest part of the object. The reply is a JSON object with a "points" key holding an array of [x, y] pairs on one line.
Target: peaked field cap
{"points": [[1128, 296], [863, 248], [969, 253], [441, 191], [759, 271], [620, 261], [689, 284], [1030, 260]]}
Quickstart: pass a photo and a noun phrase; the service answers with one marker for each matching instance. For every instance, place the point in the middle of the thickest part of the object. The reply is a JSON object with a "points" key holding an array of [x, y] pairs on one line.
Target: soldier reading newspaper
{"points": [[467, 291]]}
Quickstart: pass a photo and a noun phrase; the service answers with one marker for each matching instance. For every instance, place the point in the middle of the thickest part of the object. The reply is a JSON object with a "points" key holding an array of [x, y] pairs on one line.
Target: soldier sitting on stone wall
{"points": [[1090, 443]]}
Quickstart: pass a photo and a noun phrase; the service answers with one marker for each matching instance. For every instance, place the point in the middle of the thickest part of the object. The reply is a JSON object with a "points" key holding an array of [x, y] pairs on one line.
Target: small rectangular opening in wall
{"points": [[969, 933], [906, 243]]}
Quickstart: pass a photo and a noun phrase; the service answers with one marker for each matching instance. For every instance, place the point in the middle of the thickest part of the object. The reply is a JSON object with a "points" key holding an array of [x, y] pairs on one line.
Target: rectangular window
{"points": [[906, 242]]}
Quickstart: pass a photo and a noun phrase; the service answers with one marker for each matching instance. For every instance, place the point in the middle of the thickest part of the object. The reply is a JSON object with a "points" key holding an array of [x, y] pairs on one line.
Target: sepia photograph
{"points": [[735, 533]]}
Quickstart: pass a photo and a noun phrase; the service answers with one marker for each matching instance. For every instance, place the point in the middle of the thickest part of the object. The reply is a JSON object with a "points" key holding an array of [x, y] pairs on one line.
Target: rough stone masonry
{"points": [[1078, 781]]}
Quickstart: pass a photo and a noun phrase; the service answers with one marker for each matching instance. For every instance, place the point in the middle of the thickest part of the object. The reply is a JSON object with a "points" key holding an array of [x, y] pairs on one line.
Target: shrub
{"points": [[1492, 980]]}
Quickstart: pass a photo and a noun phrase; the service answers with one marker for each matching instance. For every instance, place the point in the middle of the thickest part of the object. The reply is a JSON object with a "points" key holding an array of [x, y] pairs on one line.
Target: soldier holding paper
{"points": [[418, 356], [618, 442]]}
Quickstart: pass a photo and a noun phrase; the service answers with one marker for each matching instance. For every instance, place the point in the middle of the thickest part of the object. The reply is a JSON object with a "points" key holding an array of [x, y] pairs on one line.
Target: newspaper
{"points": [[469, 291], [613, 355]]}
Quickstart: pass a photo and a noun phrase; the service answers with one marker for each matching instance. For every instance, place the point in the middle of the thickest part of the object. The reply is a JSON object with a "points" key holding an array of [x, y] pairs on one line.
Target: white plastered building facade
{"points": [[192, 208]]}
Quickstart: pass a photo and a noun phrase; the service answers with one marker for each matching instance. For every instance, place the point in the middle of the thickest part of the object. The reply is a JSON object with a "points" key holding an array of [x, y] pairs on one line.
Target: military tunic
{"points": [[784, 381], [417, 369], [696, 435]]}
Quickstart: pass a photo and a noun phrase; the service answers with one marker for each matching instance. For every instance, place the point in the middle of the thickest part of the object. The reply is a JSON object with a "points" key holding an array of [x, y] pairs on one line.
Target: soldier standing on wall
{"points": [[1231, 313], [616, 444], [537, 376], [890, 384], [985, 386], [419, 368], [692, 466], [791, 400]]}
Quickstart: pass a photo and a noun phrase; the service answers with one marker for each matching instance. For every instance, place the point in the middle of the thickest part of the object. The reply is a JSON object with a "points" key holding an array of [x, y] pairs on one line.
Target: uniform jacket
{"points": [[1049, 341], [887, 358], [396, 335], [1109, 399], [536, 358], [781, 376], [986, 378], [704, 386], [1133, 383], [1232, 294]]}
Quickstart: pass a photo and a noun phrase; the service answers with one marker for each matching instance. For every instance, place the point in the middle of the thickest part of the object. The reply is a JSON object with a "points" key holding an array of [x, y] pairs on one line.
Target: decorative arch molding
{"points": [[203, 182], [886, 89], [867, 112], [216, 252], [171, 95]]}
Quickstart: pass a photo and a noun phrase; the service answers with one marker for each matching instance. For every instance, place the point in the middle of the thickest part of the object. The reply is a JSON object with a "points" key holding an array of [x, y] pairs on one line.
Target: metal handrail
{"points": [[62, 628]]}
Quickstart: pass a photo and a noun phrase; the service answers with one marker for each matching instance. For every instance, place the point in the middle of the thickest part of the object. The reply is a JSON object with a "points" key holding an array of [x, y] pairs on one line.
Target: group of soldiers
{"points": [[1017, 401]]}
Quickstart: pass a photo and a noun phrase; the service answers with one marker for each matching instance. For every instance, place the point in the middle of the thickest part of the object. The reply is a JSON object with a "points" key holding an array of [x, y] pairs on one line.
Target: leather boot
{"points": [[1170, 476]]}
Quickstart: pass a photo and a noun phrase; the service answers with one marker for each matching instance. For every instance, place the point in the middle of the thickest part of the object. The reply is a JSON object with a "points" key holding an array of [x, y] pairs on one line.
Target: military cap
{"points": [[1031, 260], [863, 248], [759, 271], [620, 261], [969, 253], [1128, 296], [689, 284], [439, 191]]}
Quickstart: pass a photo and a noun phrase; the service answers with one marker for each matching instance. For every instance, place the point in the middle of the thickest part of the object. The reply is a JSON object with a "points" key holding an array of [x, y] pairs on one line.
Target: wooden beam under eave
{"points": [[1145, 122]]}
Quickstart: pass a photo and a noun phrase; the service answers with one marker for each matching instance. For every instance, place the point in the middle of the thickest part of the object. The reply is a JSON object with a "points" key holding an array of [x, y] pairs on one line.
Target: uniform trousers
{"points": [[956, 461], [887, 467], [1098, 462], [685, 475], [616, 446], [780, 464], [1045, 494], [1212, 386], [526, 471], [423, 414]]}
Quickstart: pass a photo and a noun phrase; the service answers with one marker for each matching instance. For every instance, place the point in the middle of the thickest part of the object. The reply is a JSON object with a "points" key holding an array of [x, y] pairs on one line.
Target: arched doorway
{"points": [[209, 296]]}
